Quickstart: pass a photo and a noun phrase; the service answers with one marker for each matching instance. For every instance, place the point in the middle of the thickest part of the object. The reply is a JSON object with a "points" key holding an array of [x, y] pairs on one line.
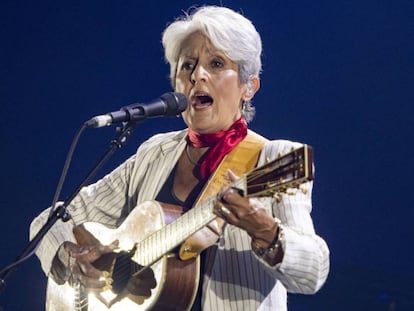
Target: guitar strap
{"points": [[242, 159]]}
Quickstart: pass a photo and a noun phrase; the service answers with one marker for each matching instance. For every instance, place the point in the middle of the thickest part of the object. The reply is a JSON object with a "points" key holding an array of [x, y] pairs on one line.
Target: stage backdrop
{"points": [[337, 75]]}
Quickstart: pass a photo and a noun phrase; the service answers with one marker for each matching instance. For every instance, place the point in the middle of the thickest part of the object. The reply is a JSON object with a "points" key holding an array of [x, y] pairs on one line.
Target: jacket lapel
{"points": [[167, 154]]}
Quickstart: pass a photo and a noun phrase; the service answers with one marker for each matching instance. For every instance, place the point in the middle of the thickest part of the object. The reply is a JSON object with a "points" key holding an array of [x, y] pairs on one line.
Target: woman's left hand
{"points": [[248, 214]]}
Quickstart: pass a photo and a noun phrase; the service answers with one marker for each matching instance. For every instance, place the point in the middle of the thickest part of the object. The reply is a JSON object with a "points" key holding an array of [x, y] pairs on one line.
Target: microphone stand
{"points": [[60, 211]]}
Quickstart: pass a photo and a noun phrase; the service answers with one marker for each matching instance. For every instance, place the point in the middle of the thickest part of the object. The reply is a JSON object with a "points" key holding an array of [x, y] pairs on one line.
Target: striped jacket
{"points": [[238, 279]]}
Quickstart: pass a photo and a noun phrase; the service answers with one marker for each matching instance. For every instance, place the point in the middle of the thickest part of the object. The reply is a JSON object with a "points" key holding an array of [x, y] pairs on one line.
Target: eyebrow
{"points": [[211, 50]]}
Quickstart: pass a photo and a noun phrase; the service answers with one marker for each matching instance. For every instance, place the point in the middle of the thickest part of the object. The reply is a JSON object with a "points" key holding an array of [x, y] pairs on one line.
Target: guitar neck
{"points": [[161, 242]]}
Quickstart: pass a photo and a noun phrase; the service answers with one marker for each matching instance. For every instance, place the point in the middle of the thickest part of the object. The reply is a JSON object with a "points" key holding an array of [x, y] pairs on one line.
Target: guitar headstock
{"points": [[277, 176]]}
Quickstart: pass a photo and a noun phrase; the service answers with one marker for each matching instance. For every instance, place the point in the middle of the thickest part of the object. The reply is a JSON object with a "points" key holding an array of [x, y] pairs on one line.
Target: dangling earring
{"points": [[243, 108], [245, 102]]}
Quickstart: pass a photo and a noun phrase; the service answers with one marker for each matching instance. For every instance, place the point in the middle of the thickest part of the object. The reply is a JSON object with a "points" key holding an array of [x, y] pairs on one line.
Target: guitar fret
{"points": [[157, 248], [196, 218], [146, 259], [165, 241], [160, 241], [171, 236], [152, 247], [184, 224]]}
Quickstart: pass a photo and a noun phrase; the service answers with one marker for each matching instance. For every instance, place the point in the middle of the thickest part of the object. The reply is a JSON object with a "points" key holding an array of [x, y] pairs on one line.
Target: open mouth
{"points": [[201, 101]]}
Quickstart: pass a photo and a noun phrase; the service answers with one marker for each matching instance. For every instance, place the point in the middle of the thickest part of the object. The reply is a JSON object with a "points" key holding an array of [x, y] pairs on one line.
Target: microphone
{"points": [[168, 104]]}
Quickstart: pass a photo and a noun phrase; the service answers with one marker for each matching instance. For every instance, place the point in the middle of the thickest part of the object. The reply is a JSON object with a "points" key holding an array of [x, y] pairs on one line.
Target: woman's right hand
{"points": [[79, 264]]}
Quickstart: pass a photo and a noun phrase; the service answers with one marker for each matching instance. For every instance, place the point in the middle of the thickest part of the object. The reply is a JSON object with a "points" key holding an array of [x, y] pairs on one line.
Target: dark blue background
{"points": [[337, 75]]}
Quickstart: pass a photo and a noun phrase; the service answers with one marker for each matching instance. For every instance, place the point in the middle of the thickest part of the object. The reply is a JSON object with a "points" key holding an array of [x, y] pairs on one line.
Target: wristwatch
{"points": [[271, 251]]}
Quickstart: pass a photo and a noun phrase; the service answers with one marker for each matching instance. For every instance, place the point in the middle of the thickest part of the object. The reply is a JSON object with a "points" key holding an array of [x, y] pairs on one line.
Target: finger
{"points": [[89, 270], [225, 213], [93, 252], [71, 247], [232, 196], [84, 262], [104, 282], [93, 284], [88, 281], [243, 211], [142, 283], [249, 211], [114, 245], [226, 191], [255, 206], [106, 249], [137, 288], [221, 193], [222, 211], [231, 176], [147, 274]]}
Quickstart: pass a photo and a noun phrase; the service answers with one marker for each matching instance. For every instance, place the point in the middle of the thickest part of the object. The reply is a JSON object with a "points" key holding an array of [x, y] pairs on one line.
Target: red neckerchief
{"points": [[220, 143]]}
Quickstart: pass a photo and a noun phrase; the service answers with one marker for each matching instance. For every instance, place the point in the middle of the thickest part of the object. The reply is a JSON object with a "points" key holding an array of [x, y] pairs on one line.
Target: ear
{"points": [[252, 86]]}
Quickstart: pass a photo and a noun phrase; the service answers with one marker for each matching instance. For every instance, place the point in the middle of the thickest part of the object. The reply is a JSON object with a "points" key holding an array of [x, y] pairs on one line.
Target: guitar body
{"points": [[176, 280]]}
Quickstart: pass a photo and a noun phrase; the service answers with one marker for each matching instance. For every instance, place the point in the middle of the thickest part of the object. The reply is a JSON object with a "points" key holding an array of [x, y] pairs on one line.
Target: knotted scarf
{"points": [[220, 143]]}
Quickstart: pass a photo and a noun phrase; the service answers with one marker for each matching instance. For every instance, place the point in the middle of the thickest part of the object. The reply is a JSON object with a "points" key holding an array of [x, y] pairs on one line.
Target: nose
{"points": [[198, 74]]}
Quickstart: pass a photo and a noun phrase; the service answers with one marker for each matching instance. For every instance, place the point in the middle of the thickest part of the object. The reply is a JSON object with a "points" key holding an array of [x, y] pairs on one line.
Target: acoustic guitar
{"points": [[147, 272]]}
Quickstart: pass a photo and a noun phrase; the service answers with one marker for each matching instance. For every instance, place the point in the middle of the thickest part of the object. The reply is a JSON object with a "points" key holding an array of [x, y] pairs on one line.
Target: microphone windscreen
{"points": [[175, 102]]}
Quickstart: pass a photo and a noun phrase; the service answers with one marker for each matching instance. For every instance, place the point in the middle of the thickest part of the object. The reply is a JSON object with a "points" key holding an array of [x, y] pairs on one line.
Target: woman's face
{"points": [[210, 80]]}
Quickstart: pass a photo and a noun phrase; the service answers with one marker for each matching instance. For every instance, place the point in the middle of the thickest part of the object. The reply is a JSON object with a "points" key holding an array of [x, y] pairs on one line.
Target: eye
{"points": [[188, 66], [217, 63]]}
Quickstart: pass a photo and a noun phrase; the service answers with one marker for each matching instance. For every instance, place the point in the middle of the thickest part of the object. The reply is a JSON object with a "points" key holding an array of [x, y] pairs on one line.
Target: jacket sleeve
{"points": [[103, 201], [305, 265]]}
